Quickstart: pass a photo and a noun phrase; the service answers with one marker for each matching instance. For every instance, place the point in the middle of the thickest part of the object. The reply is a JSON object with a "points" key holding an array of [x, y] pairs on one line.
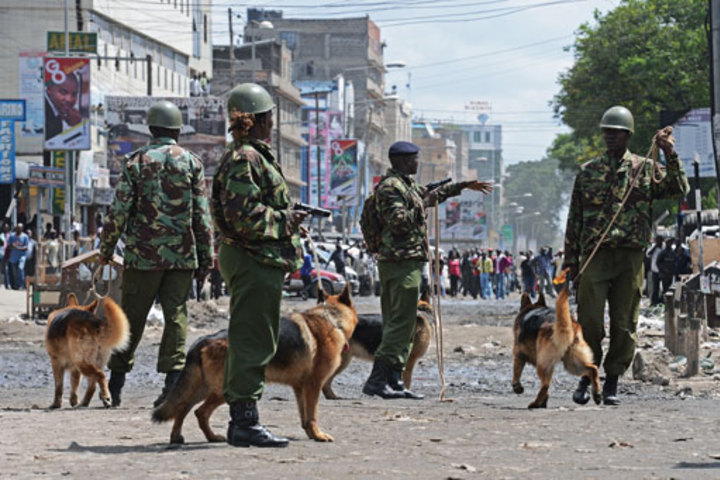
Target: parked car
{"points": [[350, 274], [332, 283]]}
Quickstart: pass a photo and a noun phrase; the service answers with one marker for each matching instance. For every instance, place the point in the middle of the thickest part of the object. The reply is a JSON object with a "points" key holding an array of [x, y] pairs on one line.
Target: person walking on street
{"points": [[401, 204], [259, 245], [18, 244], [666, 266], [615, 274], [161, 210], [528, 273], [454, 272], [653, 253], [306, 272], [338, 259]]}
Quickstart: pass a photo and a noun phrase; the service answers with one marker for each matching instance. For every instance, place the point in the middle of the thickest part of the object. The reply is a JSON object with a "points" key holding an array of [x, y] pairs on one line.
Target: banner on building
{"points": [[67, 103], [80, 42], [343, 168], [203, 130], [463, 217], [57, 160], [30, 87], [693, 136], [46, 177]]}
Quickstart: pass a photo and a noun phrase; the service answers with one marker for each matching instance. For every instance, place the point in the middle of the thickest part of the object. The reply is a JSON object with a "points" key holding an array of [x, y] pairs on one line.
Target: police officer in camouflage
{"points": [[401, 205], [161, 209], [259, 245], [615, 274]]}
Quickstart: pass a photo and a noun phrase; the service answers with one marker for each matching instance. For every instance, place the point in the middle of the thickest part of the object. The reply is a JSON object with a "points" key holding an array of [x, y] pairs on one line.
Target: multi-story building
{"points": [[398, 121], [438, 153], [485, 156], [176, 35], [325, 48], [272, 69]]}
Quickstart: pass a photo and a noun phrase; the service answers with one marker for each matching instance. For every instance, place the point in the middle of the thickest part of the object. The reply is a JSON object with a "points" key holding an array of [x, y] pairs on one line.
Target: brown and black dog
{"points": [[544, 337], [368, 334], [309, 349], [78, 340]]}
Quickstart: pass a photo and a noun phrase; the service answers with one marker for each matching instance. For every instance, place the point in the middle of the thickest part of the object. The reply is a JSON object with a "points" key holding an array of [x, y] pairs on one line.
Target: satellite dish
{"points": [[483, 118]]}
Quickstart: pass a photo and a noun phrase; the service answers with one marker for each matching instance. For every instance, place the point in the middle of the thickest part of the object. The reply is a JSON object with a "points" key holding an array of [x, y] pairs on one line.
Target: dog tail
{"points": [[188, 390], [562, 329], [118, 329]]}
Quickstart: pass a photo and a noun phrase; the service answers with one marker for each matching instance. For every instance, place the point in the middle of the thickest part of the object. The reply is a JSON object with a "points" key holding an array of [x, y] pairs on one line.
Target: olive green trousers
{"points": [[255, 296], [400, 290], [139, 289], [615, 276]]}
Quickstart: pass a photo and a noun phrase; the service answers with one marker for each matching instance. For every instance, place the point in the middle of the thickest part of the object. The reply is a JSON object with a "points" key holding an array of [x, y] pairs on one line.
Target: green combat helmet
{"points": [[618, 117], [249, 98], [164, 114]]}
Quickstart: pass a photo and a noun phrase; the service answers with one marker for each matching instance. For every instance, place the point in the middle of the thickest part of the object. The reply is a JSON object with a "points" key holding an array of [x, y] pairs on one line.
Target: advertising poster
{"points": [[693, 136], [343, 168], [67, 103], [203, 130], [463, 217], [30, 87], [319, 137]]}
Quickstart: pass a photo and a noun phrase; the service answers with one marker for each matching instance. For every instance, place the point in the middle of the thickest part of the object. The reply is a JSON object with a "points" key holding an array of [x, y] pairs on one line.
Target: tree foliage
{"points": [[548, 187], [648, 55]]}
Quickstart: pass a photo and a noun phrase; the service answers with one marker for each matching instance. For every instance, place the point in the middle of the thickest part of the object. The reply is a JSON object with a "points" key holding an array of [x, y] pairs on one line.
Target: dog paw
{"points": [[518, 388], [107, 403], [54, 406], [216, 439], [534, 405], [179, 440], [73, 400], [597, 398], [323, 437]]}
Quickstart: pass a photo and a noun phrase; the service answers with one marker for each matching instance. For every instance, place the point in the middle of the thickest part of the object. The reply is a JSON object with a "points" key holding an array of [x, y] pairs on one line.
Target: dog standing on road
{"points": [[309, 349], [78, 340], [544, 337], [366, 340]]}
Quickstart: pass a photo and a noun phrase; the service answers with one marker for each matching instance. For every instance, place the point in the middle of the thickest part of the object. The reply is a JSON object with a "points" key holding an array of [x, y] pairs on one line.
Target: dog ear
{"points": [[72, 300], [321, 295], [425, 296], [541, 300], [525, 301], [92, 306], [344, 297]]}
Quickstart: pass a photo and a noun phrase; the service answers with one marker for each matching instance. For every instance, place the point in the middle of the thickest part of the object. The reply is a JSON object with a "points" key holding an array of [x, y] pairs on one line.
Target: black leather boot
{"points": [[397, 384], [377, 383], [115, 385], [610, 396], [244, 429], [170, 379], [581, 395]]}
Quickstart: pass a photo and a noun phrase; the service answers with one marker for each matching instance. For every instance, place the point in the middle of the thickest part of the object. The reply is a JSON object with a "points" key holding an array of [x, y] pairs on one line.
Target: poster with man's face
{"points": [[67, 102]]}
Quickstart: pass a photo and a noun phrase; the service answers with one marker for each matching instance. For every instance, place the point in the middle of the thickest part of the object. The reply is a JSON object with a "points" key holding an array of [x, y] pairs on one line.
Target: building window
{"points": [[477, 138], [205, 28], [487, 137]]}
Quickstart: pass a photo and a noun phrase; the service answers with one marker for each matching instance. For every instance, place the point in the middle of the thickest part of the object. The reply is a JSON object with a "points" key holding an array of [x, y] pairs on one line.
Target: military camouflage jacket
{"points": [[161, 208], [251, 205], [399, 202], [598, 192]]}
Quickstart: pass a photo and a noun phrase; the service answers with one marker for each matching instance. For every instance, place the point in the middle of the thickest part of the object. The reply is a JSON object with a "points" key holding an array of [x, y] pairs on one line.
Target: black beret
{"points": [[403, 148]]}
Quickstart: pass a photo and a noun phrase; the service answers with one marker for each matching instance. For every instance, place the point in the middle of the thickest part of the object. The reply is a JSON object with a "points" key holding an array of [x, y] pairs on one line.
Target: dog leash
{"points": [[436, 304]]}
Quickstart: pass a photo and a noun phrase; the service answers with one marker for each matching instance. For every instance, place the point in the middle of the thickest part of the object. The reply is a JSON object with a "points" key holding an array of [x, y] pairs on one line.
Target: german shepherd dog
{"points": [[79, 341], [309, 349], [544, 337], [366, 340]]}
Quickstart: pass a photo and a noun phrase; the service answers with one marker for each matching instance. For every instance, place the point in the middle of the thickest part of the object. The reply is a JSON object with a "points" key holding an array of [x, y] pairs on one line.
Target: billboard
{"points": [[30, 87], [7, 152], [463, 217], [67, 103], [329, 126], [203, 131], [693, 136], [343, 168]]}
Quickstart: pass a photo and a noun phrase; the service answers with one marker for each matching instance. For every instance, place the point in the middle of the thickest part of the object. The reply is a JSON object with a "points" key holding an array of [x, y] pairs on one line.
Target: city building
{"points": [[174, 35], [485, 156], [437, 153]]}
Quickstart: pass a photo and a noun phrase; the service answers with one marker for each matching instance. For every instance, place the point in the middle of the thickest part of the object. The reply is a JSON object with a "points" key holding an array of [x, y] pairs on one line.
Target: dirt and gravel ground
{"points": [[666, 428]]}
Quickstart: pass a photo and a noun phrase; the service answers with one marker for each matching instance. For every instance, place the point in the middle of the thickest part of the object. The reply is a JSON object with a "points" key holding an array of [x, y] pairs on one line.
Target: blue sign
{"points": [[12, 109], [7, 151]]}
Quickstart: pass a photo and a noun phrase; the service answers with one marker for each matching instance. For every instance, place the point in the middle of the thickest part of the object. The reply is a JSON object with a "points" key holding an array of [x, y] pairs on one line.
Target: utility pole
{"points": [[232, 49], [317, 151], [714, 79]]}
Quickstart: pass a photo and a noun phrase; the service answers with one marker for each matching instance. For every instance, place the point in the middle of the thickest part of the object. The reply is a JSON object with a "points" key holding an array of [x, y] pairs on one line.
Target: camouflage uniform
{"points": [[402, 254], [161, 208], [615, 274], [251, 208]]}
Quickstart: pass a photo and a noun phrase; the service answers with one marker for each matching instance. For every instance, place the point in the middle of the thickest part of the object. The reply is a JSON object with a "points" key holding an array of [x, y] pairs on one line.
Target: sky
{"points": [[508, 53]]}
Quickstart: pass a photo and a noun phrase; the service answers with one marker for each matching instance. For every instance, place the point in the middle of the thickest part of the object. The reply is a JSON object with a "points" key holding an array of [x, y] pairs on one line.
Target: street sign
{"points": [[80, 42], [46, 177], [12, 109], [7, 152]]}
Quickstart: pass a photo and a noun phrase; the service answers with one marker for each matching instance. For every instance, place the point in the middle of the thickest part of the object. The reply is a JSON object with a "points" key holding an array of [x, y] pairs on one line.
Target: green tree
{"points": [[648, 55]]}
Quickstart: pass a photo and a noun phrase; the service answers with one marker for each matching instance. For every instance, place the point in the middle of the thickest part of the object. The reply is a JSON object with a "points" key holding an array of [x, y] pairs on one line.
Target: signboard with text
{"points": [[46, 177], [7, 152], [80, 42], [343, 168], [693, 136]]}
